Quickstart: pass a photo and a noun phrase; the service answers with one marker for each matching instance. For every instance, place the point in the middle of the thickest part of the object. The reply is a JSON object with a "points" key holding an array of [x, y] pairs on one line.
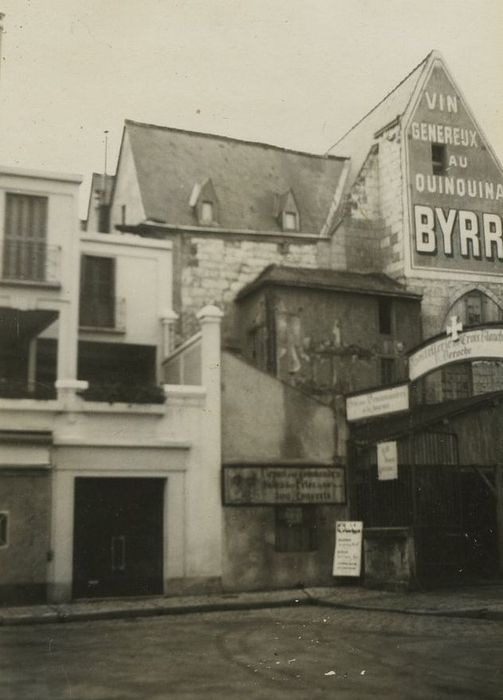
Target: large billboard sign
{"points": [[455, 185]]}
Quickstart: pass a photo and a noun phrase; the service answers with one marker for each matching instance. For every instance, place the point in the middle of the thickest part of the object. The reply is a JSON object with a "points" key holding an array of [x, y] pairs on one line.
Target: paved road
{"points": [[303, 653]]}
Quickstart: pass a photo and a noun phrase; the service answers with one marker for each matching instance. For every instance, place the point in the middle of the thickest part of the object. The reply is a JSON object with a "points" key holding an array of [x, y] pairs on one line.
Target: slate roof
{"points": [[357, 142], [335, 280], [246, 177]]}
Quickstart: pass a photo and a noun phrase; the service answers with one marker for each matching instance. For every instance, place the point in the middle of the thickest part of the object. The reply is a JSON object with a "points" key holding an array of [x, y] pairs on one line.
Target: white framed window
{"points": [[207, 212], [290, 221], [4, 529]]}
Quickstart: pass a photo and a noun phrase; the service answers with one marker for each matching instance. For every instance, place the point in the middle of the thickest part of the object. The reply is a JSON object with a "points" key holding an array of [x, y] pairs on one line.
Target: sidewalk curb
{"points": [[302, 599], [468, 613], [160, 611]]}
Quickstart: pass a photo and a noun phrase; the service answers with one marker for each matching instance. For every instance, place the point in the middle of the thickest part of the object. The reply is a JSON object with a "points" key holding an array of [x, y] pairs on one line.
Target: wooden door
{"points": [[118, 539]]}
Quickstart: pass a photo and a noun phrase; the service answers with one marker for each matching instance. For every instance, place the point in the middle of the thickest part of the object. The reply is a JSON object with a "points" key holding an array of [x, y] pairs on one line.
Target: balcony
{"points": [[121, 392], [102, 314], [19, 389], [30, 262]]}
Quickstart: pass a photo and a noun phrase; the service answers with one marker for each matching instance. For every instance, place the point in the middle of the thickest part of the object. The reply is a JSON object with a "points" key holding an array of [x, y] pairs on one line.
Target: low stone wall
{"points": [[389, 558]]}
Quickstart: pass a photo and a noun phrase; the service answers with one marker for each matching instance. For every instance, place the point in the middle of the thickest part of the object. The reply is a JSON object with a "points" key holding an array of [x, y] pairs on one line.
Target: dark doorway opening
{"points": [[479, 523], [450, 509], [118, 541]]}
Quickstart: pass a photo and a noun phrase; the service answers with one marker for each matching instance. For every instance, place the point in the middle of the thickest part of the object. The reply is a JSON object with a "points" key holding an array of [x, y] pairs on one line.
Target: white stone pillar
{"points": [[61, 567], [204, 505], [68, 328], [168, 321]]}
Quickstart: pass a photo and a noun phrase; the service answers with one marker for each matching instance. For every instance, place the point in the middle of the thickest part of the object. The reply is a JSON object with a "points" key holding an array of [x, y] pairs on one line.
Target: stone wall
{"points": [[439, 295], [390, 190], [212, 270]]}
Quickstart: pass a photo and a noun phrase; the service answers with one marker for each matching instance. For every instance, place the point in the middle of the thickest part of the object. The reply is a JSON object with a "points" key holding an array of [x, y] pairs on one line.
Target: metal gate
{"points": [[426, 497]]}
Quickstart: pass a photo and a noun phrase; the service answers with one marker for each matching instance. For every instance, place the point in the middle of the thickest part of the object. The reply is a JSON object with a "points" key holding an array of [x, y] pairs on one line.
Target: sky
{"points": [[296, 73]]}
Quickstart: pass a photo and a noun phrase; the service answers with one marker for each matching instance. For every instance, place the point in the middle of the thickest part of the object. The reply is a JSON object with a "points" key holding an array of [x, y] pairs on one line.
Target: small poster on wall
{"points": [[348, 548], [387, 461]]}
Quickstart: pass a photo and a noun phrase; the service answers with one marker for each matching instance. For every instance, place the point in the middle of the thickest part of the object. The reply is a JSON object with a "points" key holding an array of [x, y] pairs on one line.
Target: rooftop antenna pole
{"points": [[105, 166]]}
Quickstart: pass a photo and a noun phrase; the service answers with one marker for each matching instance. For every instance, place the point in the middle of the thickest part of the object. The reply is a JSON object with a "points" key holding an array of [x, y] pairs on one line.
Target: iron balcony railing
{"points": [[104, 313], [30, 261]]}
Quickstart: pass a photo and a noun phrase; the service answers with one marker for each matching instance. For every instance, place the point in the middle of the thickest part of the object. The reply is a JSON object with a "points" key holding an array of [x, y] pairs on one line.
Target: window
{"points": [[257, 344], [97, 292], [123, 214], [290, 221], [4, 529], [438, 158], [296, 529], [387, 370], [474, 309], [385, 324], [25, 249], [207, 213]]}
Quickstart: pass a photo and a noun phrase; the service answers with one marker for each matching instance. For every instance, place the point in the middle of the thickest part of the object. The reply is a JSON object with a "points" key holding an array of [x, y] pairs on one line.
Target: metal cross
{"points": [[454, 327]]}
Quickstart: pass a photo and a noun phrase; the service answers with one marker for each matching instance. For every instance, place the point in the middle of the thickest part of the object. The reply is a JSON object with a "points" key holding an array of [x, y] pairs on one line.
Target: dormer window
{"points": [[207, 213], [290, 221], [204, 203], [286, 211]]}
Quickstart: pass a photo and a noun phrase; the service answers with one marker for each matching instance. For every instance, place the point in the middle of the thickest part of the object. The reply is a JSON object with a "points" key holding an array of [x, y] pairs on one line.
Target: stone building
{"points": [[311, 257], [229, 207], [424, 202]]}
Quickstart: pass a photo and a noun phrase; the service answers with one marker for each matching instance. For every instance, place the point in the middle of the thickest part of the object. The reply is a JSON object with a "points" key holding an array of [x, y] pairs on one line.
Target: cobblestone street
{"points": [[283, 653]]}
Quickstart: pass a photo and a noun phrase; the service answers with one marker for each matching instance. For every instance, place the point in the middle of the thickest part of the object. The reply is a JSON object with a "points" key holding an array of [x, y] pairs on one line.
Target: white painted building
{"points": [[110, 482]]}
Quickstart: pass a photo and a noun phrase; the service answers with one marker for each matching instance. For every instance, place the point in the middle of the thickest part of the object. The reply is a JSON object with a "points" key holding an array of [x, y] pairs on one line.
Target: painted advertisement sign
{"points": [[478, 344], [455, 185], [257, 485]]}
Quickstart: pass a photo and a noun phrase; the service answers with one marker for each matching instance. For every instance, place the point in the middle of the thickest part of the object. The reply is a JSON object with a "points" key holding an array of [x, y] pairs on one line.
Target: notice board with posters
{"points": [[348, 548]]}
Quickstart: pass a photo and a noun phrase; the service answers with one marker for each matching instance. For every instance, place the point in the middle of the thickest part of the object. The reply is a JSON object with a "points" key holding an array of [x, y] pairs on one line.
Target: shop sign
{"points": [[262, 485], [456, 185], [377, 403], [348, 548], [387, 461], [457, 346]]}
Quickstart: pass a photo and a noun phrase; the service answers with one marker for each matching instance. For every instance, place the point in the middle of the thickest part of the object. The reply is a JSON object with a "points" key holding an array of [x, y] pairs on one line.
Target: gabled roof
{"points": [[357, 142], [245, 175], [333, 280]]}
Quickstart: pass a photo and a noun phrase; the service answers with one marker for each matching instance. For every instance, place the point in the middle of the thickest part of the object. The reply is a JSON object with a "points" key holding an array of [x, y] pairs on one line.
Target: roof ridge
{"points": [[321, 156], [399, 84], [331, 269]]}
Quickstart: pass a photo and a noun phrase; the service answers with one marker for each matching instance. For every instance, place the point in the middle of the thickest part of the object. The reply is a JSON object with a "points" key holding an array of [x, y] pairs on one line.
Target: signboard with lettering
{"points": [[478, 344], [377, 403], [455, 183], [262, 485], [387, 461], [348, 548]]}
